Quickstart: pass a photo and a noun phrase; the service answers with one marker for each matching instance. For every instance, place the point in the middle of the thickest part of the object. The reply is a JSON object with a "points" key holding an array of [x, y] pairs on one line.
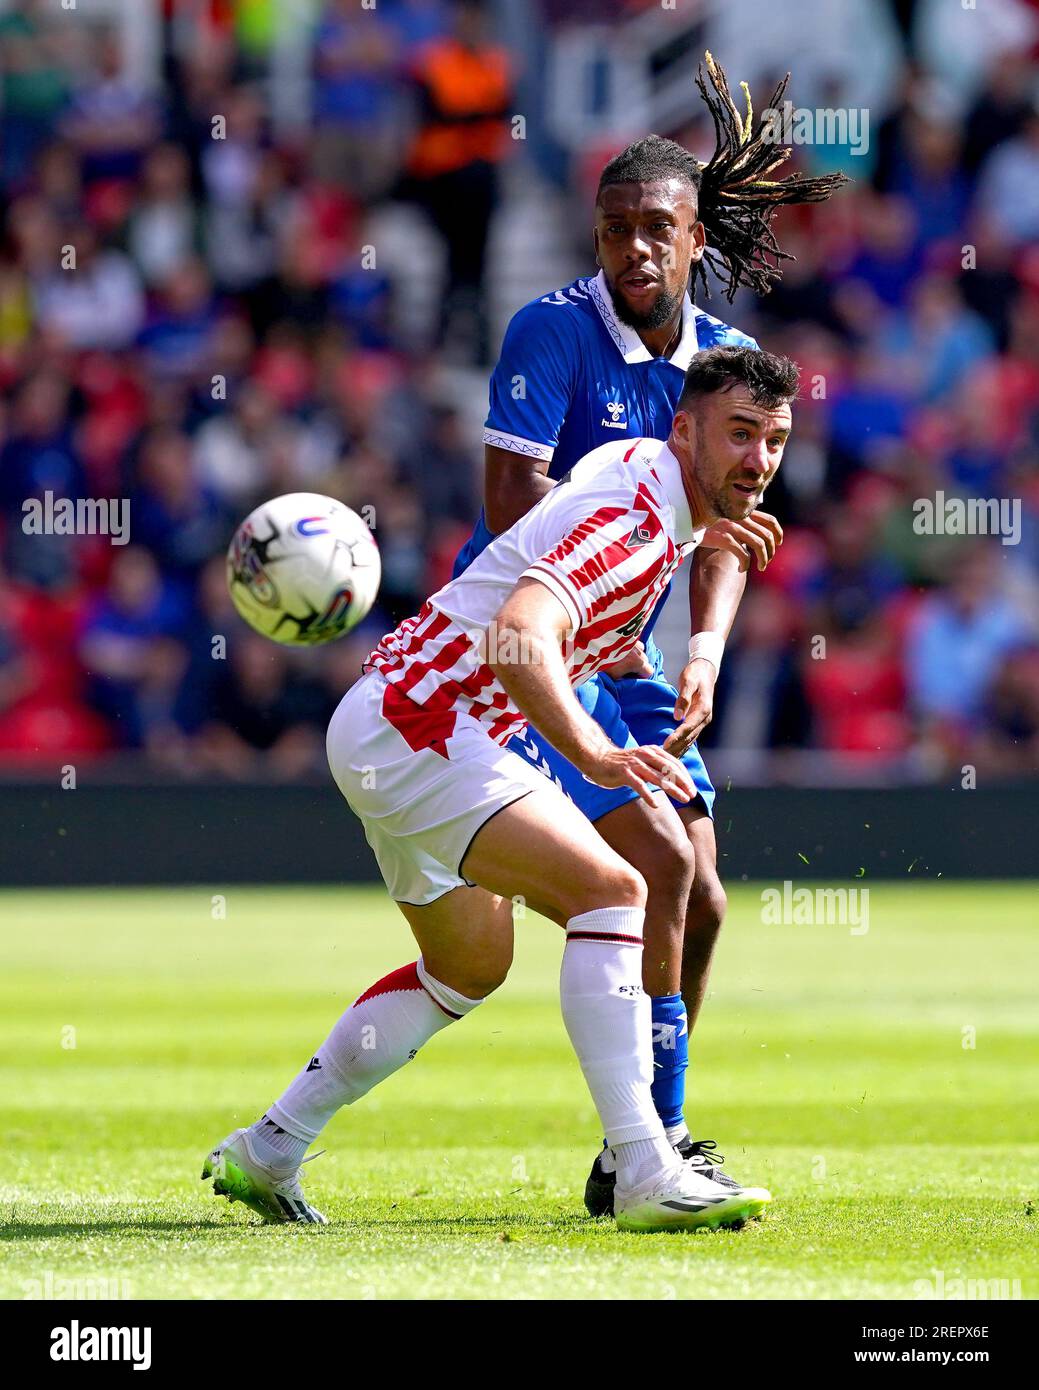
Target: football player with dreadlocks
{"points": [[602, 358]]}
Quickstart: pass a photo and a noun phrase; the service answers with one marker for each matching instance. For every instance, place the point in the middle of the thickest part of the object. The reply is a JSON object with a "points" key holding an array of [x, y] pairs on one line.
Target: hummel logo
{"points": [[615, 410], [315, 1065]]}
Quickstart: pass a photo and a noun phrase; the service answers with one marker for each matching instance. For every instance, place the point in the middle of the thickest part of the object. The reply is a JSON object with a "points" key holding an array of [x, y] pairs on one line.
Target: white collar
{"points": [[669, 471], [629, 344]]}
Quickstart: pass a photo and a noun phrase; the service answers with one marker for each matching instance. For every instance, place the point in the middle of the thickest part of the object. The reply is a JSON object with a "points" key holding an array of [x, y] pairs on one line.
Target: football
{"points": [[303, 569]]}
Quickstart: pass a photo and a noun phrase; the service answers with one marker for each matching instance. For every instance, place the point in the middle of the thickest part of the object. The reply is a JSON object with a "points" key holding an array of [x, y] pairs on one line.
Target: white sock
{"points": [[607, 1016], [676, 1133], [641, 1158], [381, 1030], [276, 1147]]}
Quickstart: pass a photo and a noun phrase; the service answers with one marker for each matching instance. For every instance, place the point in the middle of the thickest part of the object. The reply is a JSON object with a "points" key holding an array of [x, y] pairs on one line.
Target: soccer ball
{"points": [[303, 569]]}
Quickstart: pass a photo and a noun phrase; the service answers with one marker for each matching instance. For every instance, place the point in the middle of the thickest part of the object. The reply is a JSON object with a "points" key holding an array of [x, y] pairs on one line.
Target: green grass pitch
{"points": [[883, 1085]]}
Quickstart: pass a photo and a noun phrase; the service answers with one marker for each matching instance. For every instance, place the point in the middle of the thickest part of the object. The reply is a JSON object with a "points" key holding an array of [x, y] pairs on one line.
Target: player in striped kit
{"points": [[461, 825], [605, 357]]}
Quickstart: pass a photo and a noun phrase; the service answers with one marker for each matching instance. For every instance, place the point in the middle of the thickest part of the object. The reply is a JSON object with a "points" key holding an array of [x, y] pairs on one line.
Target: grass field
{"points": [[135, 1030]]}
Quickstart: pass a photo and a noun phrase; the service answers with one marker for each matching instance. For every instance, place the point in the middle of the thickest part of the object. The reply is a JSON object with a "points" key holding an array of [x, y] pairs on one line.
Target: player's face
{"points": [[646, 239], [734, 448]]}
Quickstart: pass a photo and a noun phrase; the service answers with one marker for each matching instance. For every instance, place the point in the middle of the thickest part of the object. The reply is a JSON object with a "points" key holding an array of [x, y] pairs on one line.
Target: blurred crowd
{"points": [[224, 333]]}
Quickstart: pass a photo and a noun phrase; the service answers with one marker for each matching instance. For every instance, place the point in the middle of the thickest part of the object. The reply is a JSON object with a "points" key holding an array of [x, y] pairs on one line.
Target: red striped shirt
{"points": [[606, 542]]}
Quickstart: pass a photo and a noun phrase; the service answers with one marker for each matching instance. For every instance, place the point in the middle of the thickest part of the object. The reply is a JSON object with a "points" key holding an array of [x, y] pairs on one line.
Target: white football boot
{"points": [[239, 1176], [683, 1199]]}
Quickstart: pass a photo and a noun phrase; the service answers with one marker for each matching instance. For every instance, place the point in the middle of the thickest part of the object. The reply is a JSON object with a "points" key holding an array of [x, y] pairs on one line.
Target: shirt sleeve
{"points": [[533, 384], [613, 548]]}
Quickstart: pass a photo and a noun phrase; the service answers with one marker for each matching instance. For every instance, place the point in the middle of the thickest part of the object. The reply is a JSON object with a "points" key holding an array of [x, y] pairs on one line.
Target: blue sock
{"points": [[670, 1058]]}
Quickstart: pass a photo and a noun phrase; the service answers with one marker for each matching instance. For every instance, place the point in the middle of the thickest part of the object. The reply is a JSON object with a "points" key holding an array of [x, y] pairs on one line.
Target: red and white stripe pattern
{"points": [[604, 543], [403, 981], [433, 671]]}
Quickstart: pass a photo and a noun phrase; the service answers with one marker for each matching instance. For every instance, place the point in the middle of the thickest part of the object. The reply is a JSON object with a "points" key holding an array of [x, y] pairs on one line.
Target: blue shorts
{"points": [[633, 710]]}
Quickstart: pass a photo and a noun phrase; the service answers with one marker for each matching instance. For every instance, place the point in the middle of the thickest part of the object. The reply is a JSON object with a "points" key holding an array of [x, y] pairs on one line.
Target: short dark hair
{"points": [[651, 160], [771, 380], [737, 193]]}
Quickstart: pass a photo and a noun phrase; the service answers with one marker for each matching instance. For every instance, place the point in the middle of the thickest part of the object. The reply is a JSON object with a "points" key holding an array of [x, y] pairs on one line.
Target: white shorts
{"points": [[420, 811]]}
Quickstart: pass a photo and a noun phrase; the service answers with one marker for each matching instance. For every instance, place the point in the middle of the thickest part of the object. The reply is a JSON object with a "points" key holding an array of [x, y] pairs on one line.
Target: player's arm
{"points": [[525, 651], [717, 579], [512, 485], [531, 391]]}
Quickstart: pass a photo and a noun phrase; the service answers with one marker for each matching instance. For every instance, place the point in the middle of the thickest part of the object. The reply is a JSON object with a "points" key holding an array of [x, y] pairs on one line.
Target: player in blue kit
{"points": [[598, 360]]}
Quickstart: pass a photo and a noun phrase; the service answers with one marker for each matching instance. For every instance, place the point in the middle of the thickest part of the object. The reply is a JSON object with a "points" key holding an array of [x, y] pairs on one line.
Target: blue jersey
{"points": [[571, 376]]}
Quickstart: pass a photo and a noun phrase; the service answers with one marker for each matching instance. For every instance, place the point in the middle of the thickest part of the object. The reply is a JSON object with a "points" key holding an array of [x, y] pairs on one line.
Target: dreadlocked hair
{"points": [[737, 198]]}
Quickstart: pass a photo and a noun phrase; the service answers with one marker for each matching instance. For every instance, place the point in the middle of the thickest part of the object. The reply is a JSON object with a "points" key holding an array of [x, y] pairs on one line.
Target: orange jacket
{"points": [[466, 92]]}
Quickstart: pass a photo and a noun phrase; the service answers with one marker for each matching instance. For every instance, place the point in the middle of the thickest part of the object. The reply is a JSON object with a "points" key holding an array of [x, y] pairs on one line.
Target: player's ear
{"points": [[595, 243], [699, 241]]}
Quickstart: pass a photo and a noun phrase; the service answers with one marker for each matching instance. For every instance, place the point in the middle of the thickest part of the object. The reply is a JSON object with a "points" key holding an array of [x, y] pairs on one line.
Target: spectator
{"points": [[95, 301], [960, 45], [870, 408], [1008, 189], [260, 718], [855, 687], [931, 180], [439, 468], [936, 343], [888, 257], [179, 335], [357, 104], [225, 336], [35, 86], [760, 700], [232, 155], [163, 230], [128, 647], [960, 638], [463, 87], [172, 513], [110, 120], [1007, 743], [1000, 110], [243, 234]]}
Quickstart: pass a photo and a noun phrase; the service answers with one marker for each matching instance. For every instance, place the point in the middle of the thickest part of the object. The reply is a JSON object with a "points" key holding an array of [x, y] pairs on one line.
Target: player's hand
{"points": [[757, 537], [636, 663], [642, 768], [694, 706]]}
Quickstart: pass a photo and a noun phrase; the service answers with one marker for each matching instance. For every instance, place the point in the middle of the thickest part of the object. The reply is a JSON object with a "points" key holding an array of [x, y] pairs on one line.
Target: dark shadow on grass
{"points": [[62, 1230], [506, 1223]]}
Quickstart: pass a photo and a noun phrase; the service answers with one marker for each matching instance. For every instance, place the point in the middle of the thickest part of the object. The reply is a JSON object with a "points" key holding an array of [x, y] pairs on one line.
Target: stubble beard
{"points": [[723, 503], [663, 309], [733, 509]]}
